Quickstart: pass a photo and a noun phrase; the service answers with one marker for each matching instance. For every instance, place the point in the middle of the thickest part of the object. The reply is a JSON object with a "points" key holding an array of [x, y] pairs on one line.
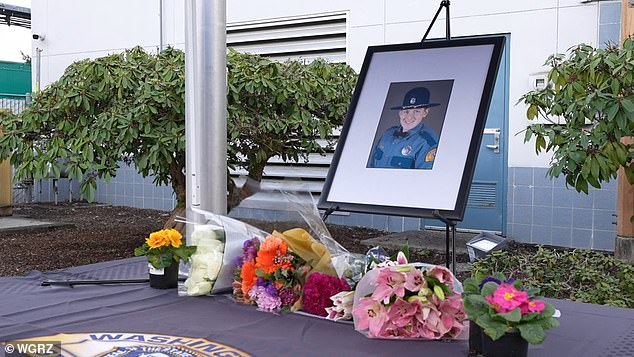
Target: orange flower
{"points": [[247, 274], [271, 248], [157, 240], [165, 237], [175, 237], [275, 245]]}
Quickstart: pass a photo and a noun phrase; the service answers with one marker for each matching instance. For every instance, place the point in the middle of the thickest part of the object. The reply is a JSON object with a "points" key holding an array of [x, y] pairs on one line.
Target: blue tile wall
{"points": [[540, 210], [523, 195], [523, 214], [603, 240], [604, 220], [543, 196], [610, 12], [562, 197], [544, 211], [561, 236], [541, 235], [609, 23], [541, 179], [543, 215], [562, 217], [604, 199], [522, 232], [581, 200], [394, 224], [582, 218], [523, 176], [128, 188], [411, 224], [581, 238]]}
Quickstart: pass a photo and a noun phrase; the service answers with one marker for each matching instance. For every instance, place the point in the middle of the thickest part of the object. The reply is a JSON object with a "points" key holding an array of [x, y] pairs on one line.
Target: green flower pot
{"points": [[166, 278]]}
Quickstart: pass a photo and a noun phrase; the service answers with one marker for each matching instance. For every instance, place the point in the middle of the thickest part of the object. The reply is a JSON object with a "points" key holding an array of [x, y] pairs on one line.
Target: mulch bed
{"points": [[102, 232]]}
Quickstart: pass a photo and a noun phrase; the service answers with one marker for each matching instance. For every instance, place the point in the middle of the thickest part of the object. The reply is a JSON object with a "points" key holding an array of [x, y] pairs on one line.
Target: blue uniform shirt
{"points": [[415, 149]]}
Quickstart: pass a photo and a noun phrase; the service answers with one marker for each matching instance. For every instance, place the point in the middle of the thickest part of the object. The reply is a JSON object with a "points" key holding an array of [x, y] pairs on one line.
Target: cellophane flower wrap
{"points": [[218, 240], [326, 251], [268, 274], [409, 301]]}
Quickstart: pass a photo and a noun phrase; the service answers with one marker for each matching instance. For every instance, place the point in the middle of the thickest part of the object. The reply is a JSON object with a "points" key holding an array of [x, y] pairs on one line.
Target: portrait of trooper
{"points": [[411, 144]]}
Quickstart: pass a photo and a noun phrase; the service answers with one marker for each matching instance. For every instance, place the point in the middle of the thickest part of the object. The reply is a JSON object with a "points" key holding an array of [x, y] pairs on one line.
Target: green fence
{"points": [[15, 79]]}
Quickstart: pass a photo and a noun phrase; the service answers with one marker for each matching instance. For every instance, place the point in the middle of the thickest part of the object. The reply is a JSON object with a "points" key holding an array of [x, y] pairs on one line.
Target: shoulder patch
{"points": [[431, 155]]}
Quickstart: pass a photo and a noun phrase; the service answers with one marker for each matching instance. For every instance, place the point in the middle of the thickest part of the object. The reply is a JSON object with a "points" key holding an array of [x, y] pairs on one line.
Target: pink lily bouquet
{"points": [[408, 301]]}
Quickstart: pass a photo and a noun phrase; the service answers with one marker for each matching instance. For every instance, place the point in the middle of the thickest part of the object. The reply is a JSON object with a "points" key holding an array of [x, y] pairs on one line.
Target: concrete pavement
{"points": [[21, 223]]}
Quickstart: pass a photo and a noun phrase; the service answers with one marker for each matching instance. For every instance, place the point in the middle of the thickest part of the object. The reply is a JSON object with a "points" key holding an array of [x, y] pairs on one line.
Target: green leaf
{"points": [[628, 105], [594, 167], [513, 316], [532, 332], [489, 288], [494, 329], [540, 143], [531, 113], [581, 185], [142, 250]]}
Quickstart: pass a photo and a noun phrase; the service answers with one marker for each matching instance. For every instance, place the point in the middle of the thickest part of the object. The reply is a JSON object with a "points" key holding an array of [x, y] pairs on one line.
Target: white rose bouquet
{"points": [[218, 240]]}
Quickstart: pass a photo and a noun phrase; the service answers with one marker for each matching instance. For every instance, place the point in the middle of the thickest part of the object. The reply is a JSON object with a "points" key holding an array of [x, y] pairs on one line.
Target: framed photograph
{"points": [[411, 137]]}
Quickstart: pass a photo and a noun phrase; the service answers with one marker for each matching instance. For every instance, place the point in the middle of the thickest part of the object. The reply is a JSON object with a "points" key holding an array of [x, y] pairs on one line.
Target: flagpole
{"points": [[205, 105]]}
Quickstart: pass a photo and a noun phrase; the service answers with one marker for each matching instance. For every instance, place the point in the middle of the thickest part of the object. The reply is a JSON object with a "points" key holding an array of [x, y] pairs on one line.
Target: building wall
{"points": [[539, 210], [75, 29]]}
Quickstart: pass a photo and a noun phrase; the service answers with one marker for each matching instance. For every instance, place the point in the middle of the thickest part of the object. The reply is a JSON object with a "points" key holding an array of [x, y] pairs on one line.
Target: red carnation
{"points": [[318, 289]]}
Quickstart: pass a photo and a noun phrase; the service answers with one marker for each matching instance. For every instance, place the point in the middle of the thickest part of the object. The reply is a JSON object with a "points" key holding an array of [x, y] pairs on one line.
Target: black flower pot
{"points": [[166, 278], [475, 338], [510, 345]]}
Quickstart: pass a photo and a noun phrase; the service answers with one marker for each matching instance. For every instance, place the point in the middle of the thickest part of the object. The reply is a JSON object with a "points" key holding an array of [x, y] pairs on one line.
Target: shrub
{"points": [[579, 275]]}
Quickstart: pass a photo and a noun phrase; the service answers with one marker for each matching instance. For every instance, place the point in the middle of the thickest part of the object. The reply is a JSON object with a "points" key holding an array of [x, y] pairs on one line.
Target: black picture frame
{"points": [[471, 64]]}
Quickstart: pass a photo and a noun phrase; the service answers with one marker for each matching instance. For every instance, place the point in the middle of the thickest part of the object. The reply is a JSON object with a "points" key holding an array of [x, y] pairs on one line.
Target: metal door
{"points": [[486, 206]]}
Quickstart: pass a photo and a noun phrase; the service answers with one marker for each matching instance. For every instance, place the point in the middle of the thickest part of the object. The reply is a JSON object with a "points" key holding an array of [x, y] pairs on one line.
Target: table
{"points": [[125, 311]]}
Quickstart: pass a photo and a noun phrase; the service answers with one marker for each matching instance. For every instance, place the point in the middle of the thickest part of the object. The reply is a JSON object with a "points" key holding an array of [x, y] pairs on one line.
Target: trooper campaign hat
{"points": [[416, 98]]}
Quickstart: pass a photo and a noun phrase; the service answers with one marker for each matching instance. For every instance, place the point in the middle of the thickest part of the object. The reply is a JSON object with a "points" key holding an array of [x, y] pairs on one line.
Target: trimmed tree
{"points": [[130, 107], [589, 103]]}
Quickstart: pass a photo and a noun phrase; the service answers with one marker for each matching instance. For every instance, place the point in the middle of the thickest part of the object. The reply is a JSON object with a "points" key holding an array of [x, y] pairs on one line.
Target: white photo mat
{"points": [[351, 182]]}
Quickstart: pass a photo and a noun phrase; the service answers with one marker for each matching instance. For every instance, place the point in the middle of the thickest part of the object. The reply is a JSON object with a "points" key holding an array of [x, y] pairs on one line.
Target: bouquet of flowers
{"points": [[269, 275], [409, 301], [499, 305], [218, 239], [207, 261]]}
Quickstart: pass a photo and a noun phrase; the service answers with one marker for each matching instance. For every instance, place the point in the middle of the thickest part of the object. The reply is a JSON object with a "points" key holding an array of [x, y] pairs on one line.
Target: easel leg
{"points": [[447, 246], [453, 249]]}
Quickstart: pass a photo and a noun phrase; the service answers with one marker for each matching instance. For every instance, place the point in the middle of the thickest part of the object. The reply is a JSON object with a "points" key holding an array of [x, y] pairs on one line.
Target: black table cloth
{"points": [[30, 310]]}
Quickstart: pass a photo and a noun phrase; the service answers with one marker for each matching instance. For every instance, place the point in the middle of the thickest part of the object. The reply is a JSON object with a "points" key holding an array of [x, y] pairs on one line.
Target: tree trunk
{"points": [[178, 185], [251, 186], [624, 246], [6, 187], [235, 194]]}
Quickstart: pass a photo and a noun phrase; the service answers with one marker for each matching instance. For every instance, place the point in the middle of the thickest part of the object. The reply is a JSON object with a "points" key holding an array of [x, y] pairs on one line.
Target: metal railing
{"points": [[13, 102]]}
